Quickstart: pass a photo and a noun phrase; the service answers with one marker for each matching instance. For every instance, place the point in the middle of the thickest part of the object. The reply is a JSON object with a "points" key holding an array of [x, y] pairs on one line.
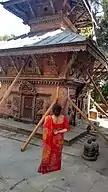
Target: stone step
{"points": [[26, 129]]}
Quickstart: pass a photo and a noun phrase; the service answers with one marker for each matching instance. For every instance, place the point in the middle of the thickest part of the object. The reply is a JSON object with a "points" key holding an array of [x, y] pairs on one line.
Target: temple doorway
{"points": [[28, 107]]}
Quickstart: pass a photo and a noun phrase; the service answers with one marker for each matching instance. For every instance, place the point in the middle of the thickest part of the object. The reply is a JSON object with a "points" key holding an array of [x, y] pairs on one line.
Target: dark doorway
{"points": [[28, 108]]}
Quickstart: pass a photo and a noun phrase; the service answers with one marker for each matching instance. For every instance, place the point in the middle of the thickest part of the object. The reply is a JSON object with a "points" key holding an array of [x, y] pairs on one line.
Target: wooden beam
{"points": [[57, 93], [37, 67], [97, 67], [79, 17], [95, 75], [90, 12], [88, 101], [1, 64], [20, 12], [102, 111], [52, 6], [11, 86], [40, 122], [70, 63], [73, 8], [13, 63], [8, 3], [69, 24], [98, 91], [101, 73], [32, 77], [100, 70], [64, 3], [31, 9], [103, 76], [94, 71], [90, 122], [64, 107]]}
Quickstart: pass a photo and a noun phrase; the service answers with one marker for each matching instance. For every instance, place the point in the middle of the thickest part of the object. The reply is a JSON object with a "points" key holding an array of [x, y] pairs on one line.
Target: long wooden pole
{"points": [[90, 122], [88, 107], [11, 86], [40, 122], [63, 109], [98, 91], [57, 93], [102, 111]]}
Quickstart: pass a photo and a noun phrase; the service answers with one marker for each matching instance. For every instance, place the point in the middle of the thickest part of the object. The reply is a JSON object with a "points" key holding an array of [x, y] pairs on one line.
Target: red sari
{"points": [[52, 145]]}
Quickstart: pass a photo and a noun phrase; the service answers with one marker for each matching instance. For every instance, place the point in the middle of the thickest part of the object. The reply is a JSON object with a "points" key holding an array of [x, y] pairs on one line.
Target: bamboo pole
{"points": [[40, 122], [88, 107], [63, 109], [98, 91], [11, 86], [90, 122], [102, 111], [57, 93]]}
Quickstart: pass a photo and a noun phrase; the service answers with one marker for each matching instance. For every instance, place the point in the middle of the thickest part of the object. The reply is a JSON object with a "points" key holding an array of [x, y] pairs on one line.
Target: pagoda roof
{"points": [[78, 11], [44, 38], [49, 42]]}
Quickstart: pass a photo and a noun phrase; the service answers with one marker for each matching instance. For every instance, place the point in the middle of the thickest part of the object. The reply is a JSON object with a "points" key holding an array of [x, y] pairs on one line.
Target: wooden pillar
{"points": [[88, 101], [74, 117], [81, 104]]}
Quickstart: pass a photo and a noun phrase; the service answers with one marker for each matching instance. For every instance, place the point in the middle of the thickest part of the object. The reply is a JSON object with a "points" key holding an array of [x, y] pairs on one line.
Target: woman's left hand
{"points": [[56, 132]]}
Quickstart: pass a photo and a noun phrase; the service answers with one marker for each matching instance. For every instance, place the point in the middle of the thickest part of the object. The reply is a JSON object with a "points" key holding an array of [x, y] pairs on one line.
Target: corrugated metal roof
{"points": [[54, 37]]}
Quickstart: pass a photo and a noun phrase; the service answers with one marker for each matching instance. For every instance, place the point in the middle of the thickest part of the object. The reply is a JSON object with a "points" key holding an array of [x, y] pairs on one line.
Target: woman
{"points": [[53, 137]]}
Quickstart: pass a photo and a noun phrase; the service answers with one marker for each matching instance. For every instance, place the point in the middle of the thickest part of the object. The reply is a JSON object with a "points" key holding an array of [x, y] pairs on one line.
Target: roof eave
{"points": [[86, 45], [67, 47]]}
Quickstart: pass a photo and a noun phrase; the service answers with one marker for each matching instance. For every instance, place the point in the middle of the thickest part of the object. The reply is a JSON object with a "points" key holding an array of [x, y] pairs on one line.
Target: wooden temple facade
{"points": [[52, 54]]}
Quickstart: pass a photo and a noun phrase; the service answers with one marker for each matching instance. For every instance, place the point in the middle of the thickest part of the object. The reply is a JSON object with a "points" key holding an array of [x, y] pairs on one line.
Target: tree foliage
{"points": [[102, 32], [86, 31], [103, 87], [6, 37], [102, 39]]}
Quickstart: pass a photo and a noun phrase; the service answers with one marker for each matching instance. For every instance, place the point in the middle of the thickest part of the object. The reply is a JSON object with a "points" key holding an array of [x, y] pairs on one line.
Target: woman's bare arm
{"points": [[62, 131]]}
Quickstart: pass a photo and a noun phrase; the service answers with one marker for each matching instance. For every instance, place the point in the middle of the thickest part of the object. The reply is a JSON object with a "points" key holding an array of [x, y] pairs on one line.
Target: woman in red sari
{"points": [[53, 137]]}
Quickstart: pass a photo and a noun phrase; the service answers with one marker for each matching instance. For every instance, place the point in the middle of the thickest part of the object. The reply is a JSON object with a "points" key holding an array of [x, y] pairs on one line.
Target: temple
{"points": [[52, 54]]}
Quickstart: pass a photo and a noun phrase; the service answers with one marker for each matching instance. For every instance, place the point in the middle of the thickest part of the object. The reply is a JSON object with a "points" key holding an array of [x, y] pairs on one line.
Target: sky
{"points": [[10, 24]]}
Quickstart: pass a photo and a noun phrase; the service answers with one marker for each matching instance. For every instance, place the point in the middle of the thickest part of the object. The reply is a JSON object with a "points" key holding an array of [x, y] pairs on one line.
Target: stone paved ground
{"points": [[18, 171]]}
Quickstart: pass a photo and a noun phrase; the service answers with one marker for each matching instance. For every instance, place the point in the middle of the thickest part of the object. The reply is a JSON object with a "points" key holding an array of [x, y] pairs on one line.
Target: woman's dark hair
{"points": [[57, 109]]}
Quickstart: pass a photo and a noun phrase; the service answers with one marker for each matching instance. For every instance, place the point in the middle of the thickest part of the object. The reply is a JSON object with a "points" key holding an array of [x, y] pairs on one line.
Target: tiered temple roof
{"points": [[54, 28], [77, 11]]}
